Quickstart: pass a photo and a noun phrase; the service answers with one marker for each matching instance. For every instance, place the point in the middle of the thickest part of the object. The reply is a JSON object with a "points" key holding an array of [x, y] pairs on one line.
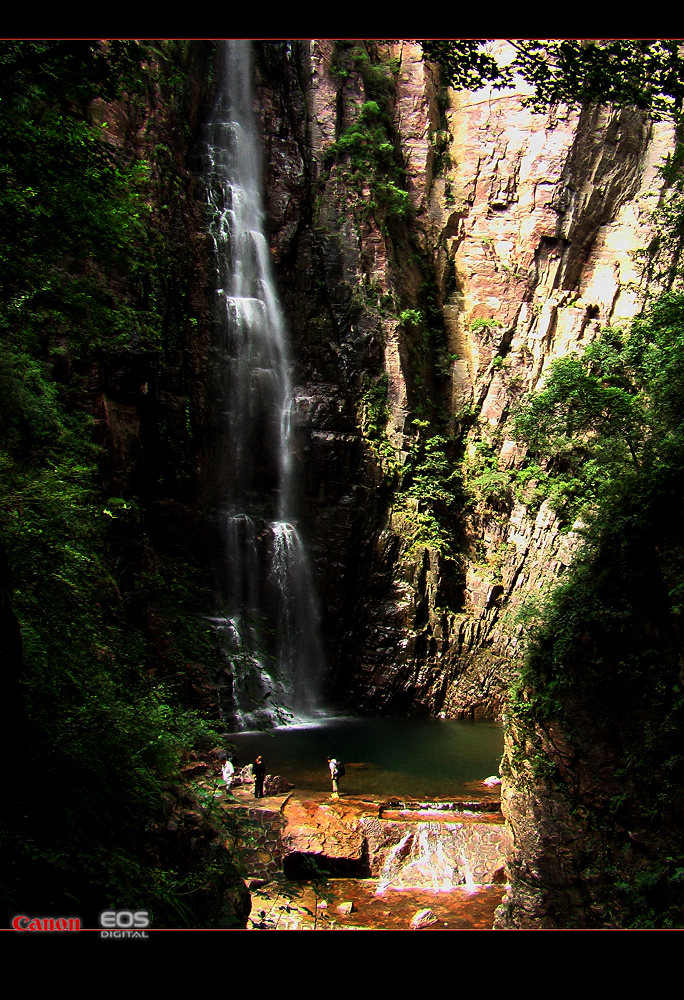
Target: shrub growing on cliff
{"points": [[485, 482], [613, 420], [375, 414], [367, 146], [598, 417], [429, 490], [371, 156]]}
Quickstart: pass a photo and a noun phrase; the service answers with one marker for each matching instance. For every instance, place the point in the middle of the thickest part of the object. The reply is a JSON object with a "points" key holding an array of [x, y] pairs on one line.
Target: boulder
{"points": [[422, 918], [323, 838], [276, 784]]}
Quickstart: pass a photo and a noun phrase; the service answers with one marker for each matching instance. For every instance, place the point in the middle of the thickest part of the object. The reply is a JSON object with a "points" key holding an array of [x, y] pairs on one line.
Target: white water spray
{"points": [[267, 625], [430, 857]]}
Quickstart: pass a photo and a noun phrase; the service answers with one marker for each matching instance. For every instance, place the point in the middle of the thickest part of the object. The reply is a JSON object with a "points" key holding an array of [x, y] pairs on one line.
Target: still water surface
{"points": [[388, 757]]}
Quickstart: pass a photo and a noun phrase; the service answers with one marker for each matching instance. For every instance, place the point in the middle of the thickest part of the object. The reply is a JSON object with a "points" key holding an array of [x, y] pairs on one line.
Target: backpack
{"points": [[339, 770]]}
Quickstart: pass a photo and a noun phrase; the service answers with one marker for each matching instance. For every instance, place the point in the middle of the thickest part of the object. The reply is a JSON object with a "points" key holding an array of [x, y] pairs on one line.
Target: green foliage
{"points": [[107, 623], [652, 898], [639, 73], [485, 483], [362, 59], [465, 62], [367, 147], [375, 414], [72, 211], [604, 646], [429, 490], [426, 501], [97, 728], [661, 259], [609, 428], [606, 415], [480, 324], [412, 318], [584, 401]]}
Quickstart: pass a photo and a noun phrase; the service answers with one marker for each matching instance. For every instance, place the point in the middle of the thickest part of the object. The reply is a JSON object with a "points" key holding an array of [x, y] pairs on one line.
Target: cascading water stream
{"points": [[429, 856], [267, 623]]}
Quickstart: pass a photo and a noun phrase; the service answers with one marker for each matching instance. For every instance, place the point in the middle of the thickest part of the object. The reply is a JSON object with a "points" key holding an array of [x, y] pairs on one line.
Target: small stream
{"points": [[373, 911]]}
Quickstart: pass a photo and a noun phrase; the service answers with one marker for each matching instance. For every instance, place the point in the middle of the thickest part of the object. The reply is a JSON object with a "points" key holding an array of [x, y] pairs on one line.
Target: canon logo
{"points": [[59, 924]]}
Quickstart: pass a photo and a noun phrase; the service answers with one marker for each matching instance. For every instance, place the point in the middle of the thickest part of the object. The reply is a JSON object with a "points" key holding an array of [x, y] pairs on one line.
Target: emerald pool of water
{"points": [[404, 758]]}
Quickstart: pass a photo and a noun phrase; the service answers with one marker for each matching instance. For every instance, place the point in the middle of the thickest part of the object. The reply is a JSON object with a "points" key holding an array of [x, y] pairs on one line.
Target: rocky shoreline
{"points": [[313, 862]]}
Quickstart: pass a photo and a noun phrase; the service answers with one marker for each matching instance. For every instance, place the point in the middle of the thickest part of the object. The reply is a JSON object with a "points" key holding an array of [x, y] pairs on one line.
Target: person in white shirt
{"points": [[228, 771]]}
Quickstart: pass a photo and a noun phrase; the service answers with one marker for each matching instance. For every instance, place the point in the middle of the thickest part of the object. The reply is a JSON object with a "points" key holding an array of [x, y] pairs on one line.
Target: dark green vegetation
{"points": [[605, 655], [430, 488], [367, 148], [601, 418], [97, 625], [367, 157], [612, 423]]}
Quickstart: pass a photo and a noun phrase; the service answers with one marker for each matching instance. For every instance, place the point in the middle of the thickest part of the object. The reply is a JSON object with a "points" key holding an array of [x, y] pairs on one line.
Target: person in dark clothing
{"points": [[259, 769]]}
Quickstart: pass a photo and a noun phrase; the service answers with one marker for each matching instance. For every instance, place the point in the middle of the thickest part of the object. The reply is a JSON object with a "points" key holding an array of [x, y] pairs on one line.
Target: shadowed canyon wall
{"points": [[432, 317]]}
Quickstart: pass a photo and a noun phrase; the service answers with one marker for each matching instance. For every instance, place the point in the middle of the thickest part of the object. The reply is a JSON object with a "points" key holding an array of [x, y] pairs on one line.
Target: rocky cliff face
{"points": [[517, 236], [420, 328], [435, 252]]}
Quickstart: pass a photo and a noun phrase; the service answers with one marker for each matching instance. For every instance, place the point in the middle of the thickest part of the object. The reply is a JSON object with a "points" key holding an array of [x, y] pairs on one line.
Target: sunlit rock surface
{"points": [[525, 225], [528, 225]]}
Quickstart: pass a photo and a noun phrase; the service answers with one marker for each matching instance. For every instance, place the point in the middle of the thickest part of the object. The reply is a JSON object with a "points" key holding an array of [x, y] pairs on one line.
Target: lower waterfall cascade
{"points": [[429, 857]]}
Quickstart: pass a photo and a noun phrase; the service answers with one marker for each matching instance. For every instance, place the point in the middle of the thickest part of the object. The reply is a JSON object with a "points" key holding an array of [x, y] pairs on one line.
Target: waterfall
{"points": [[430, 857], [266, 621]]}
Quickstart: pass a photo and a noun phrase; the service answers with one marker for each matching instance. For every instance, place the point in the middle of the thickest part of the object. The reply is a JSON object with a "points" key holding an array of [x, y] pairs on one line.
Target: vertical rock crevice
{"points": [[517, 231]]}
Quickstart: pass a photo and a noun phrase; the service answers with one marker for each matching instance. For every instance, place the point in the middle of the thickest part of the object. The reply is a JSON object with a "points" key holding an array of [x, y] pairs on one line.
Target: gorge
{"points": [[423, 258]]}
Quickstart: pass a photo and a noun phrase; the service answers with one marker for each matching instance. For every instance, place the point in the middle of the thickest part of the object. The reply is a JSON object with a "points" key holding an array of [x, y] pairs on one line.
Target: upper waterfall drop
{"points": [[266, 616]]}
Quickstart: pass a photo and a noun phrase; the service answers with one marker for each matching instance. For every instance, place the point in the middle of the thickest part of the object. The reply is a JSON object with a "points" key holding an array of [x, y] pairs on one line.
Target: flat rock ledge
{"points": [[309, 836]]}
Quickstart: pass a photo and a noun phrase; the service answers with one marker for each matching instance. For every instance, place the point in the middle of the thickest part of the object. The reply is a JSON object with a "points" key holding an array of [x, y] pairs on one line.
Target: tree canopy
{"points": [[644, 73], [611, 413]]}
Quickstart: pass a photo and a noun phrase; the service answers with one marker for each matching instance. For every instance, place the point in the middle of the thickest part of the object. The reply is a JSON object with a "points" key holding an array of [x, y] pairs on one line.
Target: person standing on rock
{"points": [[259, 769], [335, 775], [228, 772]]}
